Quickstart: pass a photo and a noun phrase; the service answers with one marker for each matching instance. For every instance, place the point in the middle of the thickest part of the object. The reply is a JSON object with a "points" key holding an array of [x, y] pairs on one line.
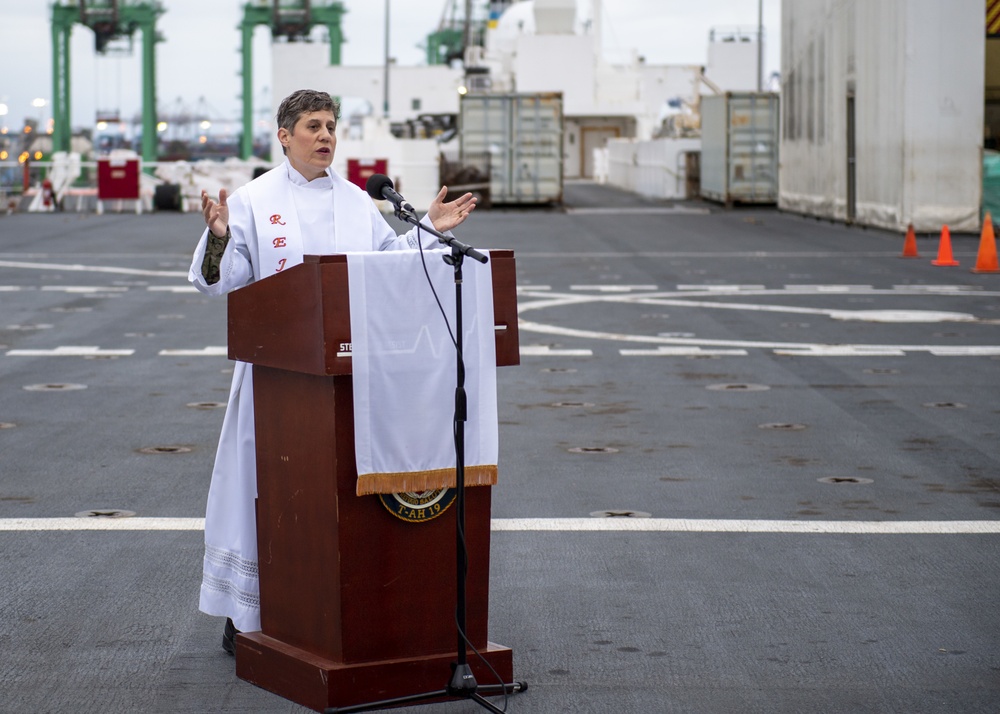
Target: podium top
{"points": [[300, 319]]}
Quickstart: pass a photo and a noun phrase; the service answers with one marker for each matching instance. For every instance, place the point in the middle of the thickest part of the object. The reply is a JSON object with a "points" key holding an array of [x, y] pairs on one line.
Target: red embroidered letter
{"points": [[279, 242], [276, 220], [281, 265]]}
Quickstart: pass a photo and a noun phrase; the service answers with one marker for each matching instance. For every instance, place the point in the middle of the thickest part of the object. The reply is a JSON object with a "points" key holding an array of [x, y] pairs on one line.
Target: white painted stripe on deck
{"points": [[94, 269], [637, 210], [204, 352], [967, 351], [71, 351], [102, 524], [565, 525], [82, 289], [806, 348], [809, 287], [662, 351], [686, 525], [546, 351], [612, 288], [721, 288], [842, 351], [172, 288]]}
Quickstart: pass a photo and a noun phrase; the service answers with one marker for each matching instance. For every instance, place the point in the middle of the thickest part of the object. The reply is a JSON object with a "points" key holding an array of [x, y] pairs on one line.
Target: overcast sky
{"points": [[199, 60]]}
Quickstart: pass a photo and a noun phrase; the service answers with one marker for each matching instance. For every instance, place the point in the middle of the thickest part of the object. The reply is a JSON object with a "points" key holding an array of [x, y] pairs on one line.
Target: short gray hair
{"points": [[302, 102]]}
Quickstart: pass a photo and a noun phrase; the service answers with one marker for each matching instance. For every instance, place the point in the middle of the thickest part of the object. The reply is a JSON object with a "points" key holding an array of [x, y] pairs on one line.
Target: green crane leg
{"points": [[62, 131], [149, 137], [246, 141]]}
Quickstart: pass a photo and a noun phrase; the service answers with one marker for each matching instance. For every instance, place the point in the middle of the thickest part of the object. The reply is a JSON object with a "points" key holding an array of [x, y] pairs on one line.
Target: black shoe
{"points": [[229, 637]]}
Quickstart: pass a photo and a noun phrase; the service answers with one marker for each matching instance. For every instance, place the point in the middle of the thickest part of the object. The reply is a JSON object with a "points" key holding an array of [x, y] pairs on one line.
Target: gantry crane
{"points": [[294, 20], [458, 30], [109, 20], [115, 19]]}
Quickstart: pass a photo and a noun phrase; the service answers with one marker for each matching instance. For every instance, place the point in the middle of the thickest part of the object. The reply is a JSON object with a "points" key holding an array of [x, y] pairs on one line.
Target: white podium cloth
{"points": [[404, 366]]}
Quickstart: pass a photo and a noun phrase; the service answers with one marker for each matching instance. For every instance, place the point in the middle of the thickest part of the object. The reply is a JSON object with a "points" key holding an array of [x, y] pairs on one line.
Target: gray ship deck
{"points": [[809, 421]]}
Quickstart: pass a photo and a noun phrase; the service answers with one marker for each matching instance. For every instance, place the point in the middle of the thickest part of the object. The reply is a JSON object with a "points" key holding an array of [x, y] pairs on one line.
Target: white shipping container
{"points": [[739, 147], [519, 136], [882, 111]]}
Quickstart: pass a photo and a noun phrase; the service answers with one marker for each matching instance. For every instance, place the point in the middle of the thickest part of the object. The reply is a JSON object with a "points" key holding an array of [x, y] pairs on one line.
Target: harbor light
{"points": [[3, 109], [162, 126], [463, 90], [206, 124]]}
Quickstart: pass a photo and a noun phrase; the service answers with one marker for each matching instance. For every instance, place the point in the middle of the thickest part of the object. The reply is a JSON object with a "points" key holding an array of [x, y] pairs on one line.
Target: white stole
{"points": [[404, 366], [279, 236], [279, 233]]}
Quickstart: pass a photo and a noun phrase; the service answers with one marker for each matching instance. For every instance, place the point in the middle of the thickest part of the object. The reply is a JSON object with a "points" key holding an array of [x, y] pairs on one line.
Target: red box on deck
{"points": [[118, 179], [360, 170]]}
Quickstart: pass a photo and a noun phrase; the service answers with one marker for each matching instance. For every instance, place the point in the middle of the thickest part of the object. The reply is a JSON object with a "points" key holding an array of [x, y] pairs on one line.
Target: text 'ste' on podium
{"points": [[357, 605]]}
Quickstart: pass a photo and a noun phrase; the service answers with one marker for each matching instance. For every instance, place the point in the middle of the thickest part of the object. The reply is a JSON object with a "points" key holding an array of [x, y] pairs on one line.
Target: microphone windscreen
{"points": [[376, 182]]}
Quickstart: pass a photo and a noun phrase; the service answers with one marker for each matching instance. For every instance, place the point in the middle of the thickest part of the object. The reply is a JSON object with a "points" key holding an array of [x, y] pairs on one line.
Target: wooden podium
{"points": [[357, 605]]}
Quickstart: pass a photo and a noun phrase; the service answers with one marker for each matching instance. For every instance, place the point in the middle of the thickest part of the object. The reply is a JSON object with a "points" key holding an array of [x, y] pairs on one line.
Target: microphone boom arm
{"points": [[454, 243]]}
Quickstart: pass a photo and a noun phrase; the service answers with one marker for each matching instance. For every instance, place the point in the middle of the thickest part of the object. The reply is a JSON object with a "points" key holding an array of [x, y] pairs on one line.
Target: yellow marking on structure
{"points": [[992, 17]]}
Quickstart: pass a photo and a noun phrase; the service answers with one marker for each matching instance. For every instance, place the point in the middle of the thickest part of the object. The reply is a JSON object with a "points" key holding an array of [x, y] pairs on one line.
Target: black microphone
{"points": [[380, 187]]}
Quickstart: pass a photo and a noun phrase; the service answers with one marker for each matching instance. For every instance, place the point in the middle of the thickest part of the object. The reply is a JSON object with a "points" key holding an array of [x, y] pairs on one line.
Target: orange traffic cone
{"points": [[986, 261], [944, 256], [910, 244]]}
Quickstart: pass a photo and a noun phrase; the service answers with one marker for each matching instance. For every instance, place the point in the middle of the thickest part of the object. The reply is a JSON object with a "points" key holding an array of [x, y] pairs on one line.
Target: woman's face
{"points": [[311, 143]]}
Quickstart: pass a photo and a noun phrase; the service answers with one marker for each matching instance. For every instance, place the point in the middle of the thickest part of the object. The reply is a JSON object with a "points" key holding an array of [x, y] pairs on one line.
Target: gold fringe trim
{"points": [[417, 481]]}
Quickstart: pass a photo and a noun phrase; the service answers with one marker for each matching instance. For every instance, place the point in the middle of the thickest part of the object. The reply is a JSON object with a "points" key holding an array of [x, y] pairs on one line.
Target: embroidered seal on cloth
{"points": [[419, 506]]}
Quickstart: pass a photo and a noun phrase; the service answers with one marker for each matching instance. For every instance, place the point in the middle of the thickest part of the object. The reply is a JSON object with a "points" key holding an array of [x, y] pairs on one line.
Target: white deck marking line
{"points": [[684, 292], [967, 351], [93, 269], [566, 525], [71, 351], [546, 351], [663, 351], [807, 348], [204, 352], [721, 288], [638, 210], [841, 351], [102, 524], [612, 288], [686, 525], [744, 254], [82, 289], [869, 315]]}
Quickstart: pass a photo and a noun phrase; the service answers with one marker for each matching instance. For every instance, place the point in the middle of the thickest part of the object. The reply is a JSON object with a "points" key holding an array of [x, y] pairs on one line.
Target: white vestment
{"points": [[274, 221]]}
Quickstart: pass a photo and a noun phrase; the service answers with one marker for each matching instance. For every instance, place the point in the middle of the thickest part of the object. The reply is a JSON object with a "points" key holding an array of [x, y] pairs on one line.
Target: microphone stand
{"points": [[462, 684]]}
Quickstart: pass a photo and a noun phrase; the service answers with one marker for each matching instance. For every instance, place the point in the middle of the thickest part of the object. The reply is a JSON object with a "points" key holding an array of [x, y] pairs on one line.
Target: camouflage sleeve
{"points": [[213, 256]]}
